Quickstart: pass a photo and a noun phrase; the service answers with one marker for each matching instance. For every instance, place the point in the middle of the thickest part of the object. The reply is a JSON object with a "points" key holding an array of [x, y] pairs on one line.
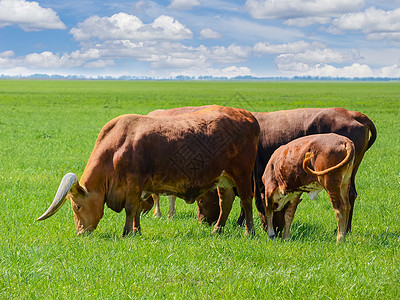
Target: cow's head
{"points": [[209, 209], [86, 206]]}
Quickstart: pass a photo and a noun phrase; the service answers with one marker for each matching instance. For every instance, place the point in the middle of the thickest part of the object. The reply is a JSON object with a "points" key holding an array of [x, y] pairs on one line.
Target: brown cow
{"points": [[187, 156], [309, 164]]}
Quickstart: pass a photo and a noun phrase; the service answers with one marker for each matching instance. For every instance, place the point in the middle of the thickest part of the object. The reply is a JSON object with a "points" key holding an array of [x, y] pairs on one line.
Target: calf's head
{"points": [[86, 206]]}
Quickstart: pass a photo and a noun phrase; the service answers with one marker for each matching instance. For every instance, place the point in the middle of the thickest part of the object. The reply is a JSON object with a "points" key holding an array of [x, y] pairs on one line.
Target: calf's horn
{"points": [[70, 180]]}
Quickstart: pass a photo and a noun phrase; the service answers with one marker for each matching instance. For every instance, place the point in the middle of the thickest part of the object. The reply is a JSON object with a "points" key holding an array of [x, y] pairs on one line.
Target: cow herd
{"points": [[211, 154]]}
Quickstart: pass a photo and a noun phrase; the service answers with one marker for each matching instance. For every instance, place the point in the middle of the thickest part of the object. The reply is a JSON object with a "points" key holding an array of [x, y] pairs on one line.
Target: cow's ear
{"points": [[78, 190]]}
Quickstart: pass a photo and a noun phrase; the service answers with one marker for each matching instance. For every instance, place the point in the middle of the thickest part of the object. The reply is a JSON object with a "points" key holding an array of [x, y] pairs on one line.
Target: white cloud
{"points": [[352, 71], [319, 62], [208, 33], [176, 55], [318, 56], [293, 47], [375, 23], [232, 53], [307, 21], [324, 63], [292, 9], [183, 4], [29, 16], [48, 59], [178, 62], [355, 70], [158, 54], [6, 54], [6, 59], [5, 62], [123, 26], [101, 63], [229, 72], [391, 71], [16, 71]]}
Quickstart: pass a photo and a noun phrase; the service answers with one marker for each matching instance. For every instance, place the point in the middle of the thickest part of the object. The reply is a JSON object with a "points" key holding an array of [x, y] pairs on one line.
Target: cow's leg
{"points": [[157, 211], [241, 218], [289, 215], [341, 205], [172, 200], [352, 199], [132, 210], [269, 216], [352, 190], [226, 197], [136, 222], [246, 200]]}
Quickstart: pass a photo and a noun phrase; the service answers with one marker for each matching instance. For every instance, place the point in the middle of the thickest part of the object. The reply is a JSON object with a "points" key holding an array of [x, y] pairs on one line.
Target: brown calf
{"points": [[309, 164]]}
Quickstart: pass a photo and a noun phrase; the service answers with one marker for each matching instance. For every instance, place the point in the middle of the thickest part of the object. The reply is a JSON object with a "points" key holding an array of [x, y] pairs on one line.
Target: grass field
{"points": [[48, 128]]}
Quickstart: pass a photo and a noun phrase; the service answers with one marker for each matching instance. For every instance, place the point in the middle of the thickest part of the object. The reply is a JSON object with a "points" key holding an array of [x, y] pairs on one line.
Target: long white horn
{"points": [[70, 180]]}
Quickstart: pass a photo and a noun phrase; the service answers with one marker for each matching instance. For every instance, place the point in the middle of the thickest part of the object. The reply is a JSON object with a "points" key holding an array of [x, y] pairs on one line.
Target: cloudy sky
{"points": [[350, 38]]}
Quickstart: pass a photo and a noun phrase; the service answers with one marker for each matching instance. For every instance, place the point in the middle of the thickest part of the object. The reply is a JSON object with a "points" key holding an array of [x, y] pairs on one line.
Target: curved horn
{"points": [[70, 180]]}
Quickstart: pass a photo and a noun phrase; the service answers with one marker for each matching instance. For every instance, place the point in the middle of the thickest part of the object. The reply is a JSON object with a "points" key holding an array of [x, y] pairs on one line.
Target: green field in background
{"points": [[48, 128]]}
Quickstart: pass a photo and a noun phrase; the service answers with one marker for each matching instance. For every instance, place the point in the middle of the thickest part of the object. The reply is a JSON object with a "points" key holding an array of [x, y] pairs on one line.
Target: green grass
{"points": [[48, 128]]}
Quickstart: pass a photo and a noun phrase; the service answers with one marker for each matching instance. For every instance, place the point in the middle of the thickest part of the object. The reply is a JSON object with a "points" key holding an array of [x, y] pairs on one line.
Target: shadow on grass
{"points": [[306, 231], [378, 238]]}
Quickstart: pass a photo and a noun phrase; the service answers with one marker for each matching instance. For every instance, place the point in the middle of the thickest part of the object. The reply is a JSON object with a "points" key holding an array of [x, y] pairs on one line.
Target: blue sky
{"points": [[356, 38]]}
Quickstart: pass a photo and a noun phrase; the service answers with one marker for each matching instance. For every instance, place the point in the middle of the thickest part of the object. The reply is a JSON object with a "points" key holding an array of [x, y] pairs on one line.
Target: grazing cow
{"points": [[186, 155], [280, 127], [309, 164]]}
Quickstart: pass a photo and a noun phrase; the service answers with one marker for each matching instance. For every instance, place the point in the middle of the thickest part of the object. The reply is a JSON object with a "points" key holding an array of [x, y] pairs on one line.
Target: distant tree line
{"points": [[188, 78]]}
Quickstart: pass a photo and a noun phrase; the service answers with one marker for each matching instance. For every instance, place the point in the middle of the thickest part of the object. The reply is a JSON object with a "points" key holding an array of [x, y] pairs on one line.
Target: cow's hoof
{"points": [[272, 236], [240, 221], [250, 232], [218, 230], [127, 233], [132, 232]]}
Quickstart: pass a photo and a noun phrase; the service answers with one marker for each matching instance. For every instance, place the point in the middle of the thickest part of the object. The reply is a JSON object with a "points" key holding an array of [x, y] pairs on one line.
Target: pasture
{"points": [[48, 128]]}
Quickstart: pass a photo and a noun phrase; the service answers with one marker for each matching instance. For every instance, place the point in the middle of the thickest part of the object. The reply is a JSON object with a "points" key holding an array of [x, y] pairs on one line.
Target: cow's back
{"points": [[176, 111], [280, 127]]}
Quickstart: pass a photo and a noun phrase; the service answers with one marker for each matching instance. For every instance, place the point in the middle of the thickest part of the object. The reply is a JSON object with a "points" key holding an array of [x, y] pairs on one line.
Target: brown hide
{"points": [[208, 204], [325, 160], [176, 111], [280, 127], [182, 155]]}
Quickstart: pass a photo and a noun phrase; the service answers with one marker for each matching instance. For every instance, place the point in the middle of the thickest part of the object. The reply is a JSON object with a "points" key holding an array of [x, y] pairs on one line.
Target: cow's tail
{"points": [[363, 119], [309, 155]]}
